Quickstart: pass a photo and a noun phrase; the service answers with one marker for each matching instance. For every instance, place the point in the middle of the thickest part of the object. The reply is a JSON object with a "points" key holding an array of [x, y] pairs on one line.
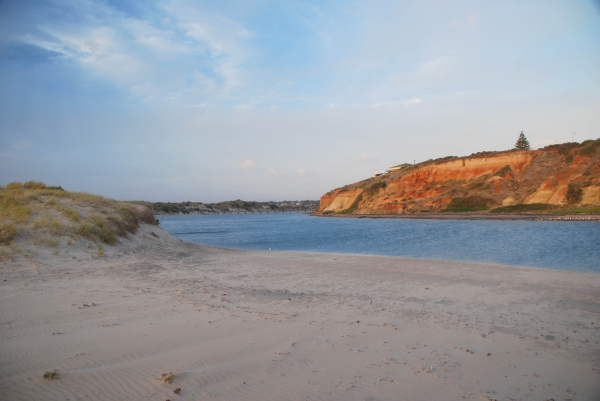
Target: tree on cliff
{"points": [[522, 142]]}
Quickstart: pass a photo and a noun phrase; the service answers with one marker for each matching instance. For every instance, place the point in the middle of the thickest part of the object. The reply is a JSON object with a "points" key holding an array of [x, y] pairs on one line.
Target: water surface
{"points": [[550, 244]]}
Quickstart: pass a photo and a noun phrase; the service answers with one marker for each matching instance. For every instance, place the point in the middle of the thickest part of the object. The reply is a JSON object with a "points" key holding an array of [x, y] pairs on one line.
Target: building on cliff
{"points": [[396, 168]]}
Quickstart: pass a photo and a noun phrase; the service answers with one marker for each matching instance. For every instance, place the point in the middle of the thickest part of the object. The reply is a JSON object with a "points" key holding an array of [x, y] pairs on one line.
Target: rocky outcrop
{"points": [[562, 175]]}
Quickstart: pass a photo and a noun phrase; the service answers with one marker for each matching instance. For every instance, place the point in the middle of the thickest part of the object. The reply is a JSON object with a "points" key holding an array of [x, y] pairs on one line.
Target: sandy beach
{"points": [[260, 325]]}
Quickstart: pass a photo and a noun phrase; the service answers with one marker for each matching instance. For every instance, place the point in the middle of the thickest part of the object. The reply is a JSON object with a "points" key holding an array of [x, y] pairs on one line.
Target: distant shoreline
{"points": [[236, 212], [472, 216]]}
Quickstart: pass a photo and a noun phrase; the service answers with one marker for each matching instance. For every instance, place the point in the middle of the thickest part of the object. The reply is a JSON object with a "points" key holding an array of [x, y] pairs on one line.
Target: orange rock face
{"points": [[558, 175]]}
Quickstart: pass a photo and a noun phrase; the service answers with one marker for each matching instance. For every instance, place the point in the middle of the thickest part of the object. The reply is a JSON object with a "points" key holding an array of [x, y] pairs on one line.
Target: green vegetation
{"points": [[522, 143], [503, 172], [468, 204], [51, 375], [374, 188], [352, 207], [522, 207], [35, 207], [574, 194], [235, 206], [589, 147], [577, 210]]}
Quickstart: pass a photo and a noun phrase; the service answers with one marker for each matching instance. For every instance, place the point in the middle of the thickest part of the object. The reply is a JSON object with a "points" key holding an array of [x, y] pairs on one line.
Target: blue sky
{"points": [[270, 100]]}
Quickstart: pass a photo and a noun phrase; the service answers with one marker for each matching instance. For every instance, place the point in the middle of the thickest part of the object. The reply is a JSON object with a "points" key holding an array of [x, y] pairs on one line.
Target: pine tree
{"points": [[522, 142]]}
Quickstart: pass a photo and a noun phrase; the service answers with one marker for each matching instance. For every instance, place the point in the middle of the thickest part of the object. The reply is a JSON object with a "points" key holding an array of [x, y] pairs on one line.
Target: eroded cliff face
{"points": [[567, 174]]}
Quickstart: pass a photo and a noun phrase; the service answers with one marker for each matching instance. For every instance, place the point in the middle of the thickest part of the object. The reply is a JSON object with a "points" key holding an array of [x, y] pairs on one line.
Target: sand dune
{"points": [[247, 325]]}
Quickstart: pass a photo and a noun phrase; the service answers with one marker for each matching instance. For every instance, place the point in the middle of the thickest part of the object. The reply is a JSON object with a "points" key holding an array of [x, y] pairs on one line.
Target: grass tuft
{"points": [[100, 252], [51, 375], [8, 232]]}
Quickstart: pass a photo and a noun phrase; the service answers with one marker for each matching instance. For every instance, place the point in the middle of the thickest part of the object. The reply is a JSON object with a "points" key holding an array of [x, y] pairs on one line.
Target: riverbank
{"points": [[471, 216], [260, 325]]}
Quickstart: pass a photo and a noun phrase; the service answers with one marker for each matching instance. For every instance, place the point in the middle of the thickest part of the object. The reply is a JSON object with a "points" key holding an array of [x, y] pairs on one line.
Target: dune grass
{"points": [[51, 213]]}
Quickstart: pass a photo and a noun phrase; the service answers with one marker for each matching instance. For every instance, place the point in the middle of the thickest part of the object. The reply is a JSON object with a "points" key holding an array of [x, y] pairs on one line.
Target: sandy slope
{"points": [[246, 325]]}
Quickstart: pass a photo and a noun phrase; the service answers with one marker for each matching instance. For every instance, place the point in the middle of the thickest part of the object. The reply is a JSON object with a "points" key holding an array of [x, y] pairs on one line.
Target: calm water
{"points": [[551, 244]]}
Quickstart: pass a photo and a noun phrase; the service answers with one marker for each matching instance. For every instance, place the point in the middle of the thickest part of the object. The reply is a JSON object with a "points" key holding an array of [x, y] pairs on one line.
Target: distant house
{"points": [[398, 167], [376, 174]]}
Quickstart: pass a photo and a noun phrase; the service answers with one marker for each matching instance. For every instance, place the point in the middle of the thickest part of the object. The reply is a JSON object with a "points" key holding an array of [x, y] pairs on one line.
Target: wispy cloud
{"points": [[412, 102], [181, 58], [248, 165]]}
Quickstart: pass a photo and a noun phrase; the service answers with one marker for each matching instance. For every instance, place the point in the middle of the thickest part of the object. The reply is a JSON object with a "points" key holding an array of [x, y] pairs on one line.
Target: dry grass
{"points": [[166, 377], [8, 231], [51, 213]]}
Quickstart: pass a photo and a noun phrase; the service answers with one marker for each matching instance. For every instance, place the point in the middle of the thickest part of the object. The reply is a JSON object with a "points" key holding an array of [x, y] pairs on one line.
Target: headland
{"points": [[558, 180]]}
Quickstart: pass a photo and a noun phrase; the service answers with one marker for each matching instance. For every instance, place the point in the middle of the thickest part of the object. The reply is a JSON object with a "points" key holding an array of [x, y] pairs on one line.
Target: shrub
{"points": [[468, 204], [589, 149], [574, 194], [503, 171], [522, 207], [374, 188], [53, 375]]}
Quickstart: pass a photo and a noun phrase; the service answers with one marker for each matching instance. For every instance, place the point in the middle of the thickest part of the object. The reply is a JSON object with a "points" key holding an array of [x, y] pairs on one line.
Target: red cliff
{"points": [[560, 175]]}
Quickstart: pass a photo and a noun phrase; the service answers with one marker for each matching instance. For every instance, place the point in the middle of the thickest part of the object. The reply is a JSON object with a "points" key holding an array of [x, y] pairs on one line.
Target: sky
{"points": [[207, 101]]}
